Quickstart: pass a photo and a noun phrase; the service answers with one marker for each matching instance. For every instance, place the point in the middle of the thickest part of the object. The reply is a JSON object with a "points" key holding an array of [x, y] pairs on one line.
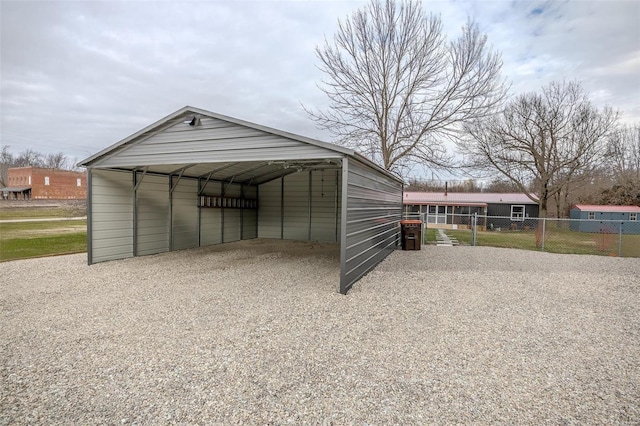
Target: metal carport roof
{"points": [[276, 159]]}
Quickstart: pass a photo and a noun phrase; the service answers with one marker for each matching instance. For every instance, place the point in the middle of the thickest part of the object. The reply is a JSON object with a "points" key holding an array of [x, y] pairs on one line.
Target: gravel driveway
{"points": [[255, 332]]}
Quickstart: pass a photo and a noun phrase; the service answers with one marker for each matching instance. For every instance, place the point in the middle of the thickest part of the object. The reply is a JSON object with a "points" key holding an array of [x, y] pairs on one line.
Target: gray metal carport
{"points": [[196, 178]]}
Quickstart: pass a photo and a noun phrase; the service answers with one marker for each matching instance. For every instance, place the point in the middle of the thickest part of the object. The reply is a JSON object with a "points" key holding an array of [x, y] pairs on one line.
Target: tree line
{"points": [[400, 92]]}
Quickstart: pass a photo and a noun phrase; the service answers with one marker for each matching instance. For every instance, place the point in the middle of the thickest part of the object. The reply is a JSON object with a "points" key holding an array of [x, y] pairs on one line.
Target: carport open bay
{"points": [[255, 332]]}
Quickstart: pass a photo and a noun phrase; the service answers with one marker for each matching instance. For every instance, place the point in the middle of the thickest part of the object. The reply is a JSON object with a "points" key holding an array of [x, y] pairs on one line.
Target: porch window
{"points": [[517, 213]]}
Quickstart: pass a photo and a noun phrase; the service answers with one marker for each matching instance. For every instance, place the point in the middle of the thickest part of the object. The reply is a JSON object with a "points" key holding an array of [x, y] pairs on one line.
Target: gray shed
{"points": [[196, 178]]}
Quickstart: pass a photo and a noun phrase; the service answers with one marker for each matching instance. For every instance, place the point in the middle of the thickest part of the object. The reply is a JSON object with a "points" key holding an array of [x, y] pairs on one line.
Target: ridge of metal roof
{"points": [[189, 109], [606, 208], [417, 197]]}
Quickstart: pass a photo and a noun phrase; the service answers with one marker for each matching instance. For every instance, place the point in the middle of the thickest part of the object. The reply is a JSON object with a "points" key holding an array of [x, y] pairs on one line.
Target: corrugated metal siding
{"points": [[269, 209], [153, 214], [296, 206], [111, 215], [373, 211], [322, 223], [184, 214], [232, 217], [325, 205], [250, 216], [210, 218], [213, 141]]}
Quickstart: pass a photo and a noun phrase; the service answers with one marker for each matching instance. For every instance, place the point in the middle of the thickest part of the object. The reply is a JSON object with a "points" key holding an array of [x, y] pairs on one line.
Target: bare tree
{"points": [[623, 163], [28, 157], [56, 161], [501, 185], [6, 161], [544, 139], [398, 90]]}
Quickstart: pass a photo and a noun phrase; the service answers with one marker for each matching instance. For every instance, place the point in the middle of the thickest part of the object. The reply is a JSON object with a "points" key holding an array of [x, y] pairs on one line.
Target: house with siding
{"points": [[455, 209], [605, 219]]}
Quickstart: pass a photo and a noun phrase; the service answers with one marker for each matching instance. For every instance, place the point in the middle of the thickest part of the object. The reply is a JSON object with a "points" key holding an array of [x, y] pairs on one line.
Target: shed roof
{"points": [[199, 143], [15, 188], [606, 209], [465, 198]]}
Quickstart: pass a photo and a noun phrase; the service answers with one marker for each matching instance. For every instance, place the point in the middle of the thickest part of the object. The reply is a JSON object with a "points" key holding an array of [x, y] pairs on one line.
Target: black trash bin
{"points": [[411, 234]]}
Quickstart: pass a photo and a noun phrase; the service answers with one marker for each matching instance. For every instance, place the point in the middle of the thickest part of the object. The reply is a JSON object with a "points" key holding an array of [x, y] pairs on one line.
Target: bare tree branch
{"points": [[398, 90], [548, 139]]}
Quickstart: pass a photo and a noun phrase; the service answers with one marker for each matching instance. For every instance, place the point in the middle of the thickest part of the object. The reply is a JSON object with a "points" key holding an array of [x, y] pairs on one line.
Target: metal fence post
{"points": [[474, 229], [620, 241], [544, 231]]}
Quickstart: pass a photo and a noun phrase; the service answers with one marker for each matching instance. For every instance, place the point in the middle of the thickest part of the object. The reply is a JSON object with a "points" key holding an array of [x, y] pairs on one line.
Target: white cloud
{"points": [[90, 73]]}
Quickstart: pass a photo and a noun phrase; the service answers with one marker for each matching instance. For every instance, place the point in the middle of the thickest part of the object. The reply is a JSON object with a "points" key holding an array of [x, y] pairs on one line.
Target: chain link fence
{"points": [[578, 236]]}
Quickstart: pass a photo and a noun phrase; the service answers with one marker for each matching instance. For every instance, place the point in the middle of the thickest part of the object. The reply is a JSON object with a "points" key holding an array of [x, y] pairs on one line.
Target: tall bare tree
{"points": [[542, 139], [398, 89], [623, 163]]}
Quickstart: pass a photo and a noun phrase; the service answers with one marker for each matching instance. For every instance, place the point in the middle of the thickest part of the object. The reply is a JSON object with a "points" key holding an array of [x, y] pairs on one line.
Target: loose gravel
{"points": [[255, 332]]}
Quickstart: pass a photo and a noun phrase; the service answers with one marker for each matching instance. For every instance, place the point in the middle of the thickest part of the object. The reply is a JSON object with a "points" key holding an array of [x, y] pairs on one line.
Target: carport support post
{"points": [[89, 228], [336, 203], [221, 213], [343, 227], [135, 213], [282, 208], [309, 231], [198, 225], [170, 212]]}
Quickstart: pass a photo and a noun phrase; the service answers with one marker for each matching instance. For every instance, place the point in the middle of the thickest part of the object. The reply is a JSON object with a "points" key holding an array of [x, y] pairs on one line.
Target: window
{"points": [[517, 213], [29, 180], [592, 216], [79, 182], [633, 216], [46, 180]]}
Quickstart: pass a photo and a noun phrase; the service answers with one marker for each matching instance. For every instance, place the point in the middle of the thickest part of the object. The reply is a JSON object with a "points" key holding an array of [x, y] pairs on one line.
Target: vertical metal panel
{"points": [[269, 210], [296, 207], [211, 218], [152, 210], [309, 204], [184, 218], [232, 223], [282, 208], [111, 215], [372, 209], [249, 222], [324, 194]]}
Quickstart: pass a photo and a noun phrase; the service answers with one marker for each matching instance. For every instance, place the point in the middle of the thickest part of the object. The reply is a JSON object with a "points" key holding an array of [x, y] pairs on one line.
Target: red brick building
{"points": [[41, 183]]}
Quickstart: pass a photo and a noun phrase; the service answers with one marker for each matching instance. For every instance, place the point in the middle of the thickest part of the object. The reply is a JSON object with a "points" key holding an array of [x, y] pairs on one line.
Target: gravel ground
{"points": [[255, 332]]}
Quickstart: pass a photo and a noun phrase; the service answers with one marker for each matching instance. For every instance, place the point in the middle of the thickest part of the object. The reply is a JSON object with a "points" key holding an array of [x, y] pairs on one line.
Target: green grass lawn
{"points": [[557, 240], [35, 239], [38, 212], [429, 236]]}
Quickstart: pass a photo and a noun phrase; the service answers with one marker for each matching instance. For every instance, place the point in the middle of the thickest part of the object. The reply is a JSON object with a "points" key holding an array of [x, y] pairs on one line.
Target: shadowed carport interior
{"points": [[197, 178]]}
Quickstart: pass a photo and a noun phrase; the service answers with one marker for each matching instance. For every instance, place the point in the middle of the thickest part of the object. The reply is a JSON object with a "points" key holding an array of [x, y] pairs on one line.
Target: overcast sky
{"points": [[77, 76]]}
